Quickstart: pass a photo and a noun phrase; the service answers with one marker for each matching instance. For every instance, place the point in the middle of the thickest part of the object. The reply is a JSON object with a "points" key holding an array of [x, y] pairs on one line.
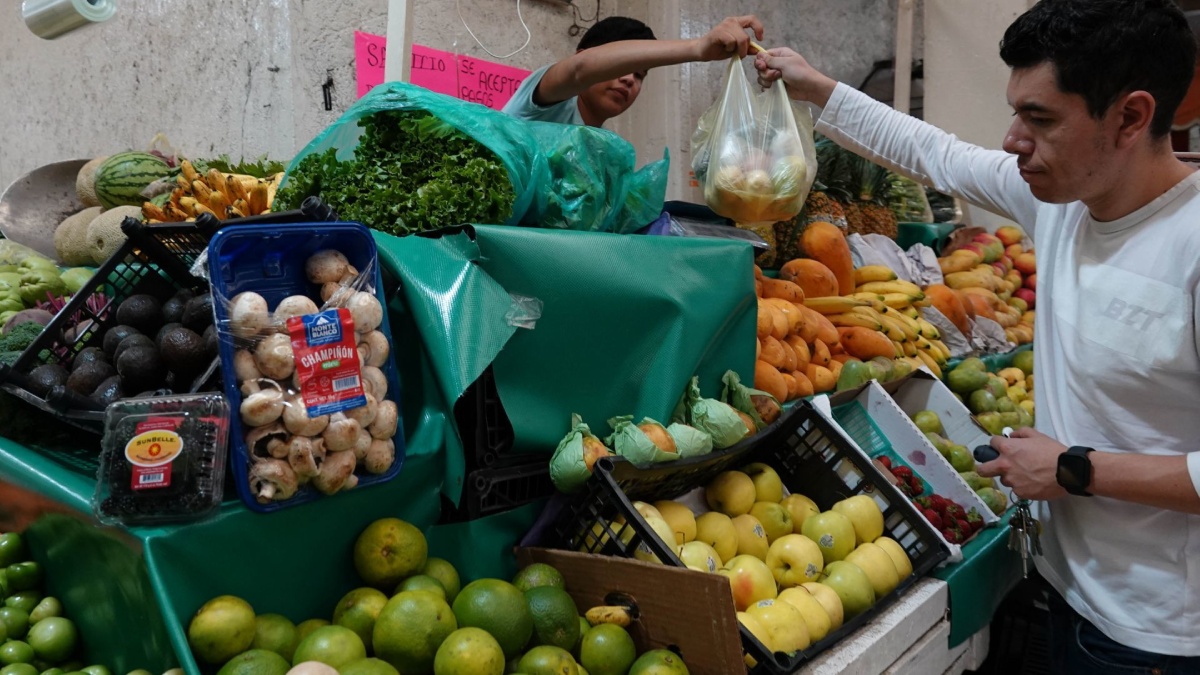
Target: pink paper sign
{"points": [[470, 79]]}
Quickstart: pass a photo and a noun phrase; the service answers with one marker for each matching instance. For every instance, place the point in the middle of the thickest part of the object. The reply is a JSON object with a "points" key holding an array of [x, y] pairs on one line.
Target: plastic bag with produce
{"points": [[753, 153], [719, 420], [644, 443], [762, 407], [575, 456], [690, 441]]}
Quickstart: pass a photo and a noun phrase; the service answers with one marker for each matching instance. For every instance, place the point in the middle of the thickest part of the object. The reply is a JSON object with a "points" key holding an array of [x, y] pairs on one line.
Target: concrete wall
{"points": [[245, 77]]}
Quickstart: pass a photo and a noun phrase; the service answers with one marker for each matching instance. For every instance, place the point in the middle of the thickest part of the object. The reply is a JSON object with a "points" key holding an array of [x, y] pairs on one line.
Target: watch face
{"points": [[1072, 471]]}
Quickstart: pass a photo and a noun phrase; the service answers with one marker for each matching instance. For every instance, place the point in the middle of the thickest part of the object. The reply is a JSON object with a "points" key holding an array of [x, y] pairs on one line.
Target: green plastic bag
{"points": [[690, 441], [630, 442], [569, 467], [719, 420], [759, 405]]}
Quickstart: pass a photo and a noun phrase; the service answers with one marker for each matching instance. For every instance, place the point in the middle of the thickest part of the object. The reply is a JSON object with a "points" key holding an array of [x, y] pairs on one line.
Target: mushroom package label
{"points": [[325, 351]]}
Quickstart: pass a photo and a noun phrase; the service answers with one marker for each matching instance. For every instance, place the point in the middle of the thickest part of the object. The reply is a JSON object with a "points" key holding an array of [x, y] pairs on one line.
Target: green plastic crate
{"points": [[933, 235]]}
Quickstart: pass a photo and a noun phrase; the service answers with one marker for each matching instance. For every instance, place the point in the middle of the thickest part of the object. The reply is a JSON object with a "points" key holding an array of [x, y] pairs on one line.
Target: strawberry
{"points": [[885, 461], [975, 520], [924, 503], [902, 472], [966, 528], [934, 519], [938, 502], [954, 511], [952, 535], [915, 483]]}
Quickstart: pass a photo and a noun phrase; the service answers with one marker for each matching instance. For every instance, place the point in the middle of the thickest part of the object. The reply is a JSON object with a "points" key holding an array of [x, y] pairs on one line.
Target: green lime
{"points": [[607, 649], [548, 660], [46, 608], [369, 667], [25, 600], [16, 651], [19, 669], [555, 617], [410, 629], [469, 651], [53, 639], [422, 582], [12, 549], [658, 662], [305, 627], [16, 621], [23, 576], [275, 633], [499, 608], [335, 646], [538, 574], [97, 669], [357, 610], [444, 572], [256, 662]]}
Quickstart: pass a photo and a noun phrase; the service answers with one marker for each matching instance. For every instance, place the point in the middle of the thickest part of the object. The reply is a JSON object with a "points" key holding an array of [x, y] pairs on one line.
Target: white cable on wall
{"points": [[528, 35]]}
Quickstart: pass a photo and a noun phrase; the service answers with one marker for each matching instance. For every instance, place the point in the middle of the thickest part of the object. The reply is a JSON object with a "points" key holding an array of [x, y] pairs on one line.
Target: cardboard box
{"points": [[688, 612]]}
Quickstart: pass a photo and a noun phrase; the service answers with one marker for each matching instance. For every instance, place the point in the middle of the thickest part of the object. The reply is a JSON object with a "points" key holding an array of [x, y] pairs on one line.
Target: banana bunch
{"points": [[225, 195], [890, 307]]}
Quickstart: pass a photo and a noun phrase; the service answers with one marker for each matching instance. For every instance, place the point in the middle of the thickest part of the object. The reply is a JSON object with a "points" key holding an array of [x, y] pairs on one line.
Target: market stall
{"points": [[298, 420]]}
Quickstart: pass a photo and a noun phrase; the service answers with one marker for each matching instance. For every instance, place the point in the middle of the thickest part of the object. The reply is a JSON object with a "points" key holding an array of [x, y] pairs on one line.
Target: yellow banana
{"points": [[188, 205], [899, 349], [930, 363], [908, 348], [900, 300], [874, 299], [834, 305], [201, 191], [614, 614], [869, 273], [911, 328], [848, 319], [258, 199], [911, 312], [869, 312], [928, 330], [894, 286], [941, 347], [893, 328], [153, 211], [188, 171]]}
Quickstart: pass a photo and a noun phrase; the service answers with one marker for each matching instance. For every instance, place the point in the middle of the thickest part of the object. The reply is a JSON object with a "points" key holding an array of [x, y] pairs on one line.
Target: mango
{"points": [[1005, 404], [981, 401], [966, 380]]}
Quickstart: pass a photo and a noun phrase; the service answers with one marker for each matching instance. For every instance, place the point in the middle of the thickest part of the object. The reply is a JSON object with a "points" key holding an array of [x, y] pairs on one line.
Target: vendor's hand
{"points": [[803, 82], [728, 38], [1028, 463]]}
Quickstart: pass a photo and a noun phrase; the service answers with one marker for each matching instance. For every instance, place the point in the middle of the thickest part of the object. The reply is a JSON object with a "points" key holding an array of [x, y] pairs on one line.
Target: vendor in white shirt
{"points": [[604, 76], [1088, 170]]}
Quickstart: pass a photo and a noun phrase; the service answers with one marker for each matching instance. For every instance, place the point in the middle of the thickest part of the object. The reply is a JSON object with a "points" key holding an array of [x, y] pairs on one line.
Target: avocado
{"points": [[140, 367], [183, 351], [46, 377], [114, 336], [172, 310], [142, 311], [163, 331], [198, 313], [86, 378], [89, 355], [128, 343], [109, 391]]}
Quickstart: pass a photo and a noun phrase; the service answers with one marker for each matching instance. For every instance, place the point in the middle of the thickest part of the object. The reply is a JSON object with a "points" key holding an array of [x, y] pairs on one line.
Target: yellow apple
{"points": [[756, 629], [752, 538], [699, 556], [852, 586], [646, 510], [801, 508], [878, 566], [680, 518], [767, 485], [664, 532], [898, 555], [794, 559], [717, 530], [731, 493], [815, 617], [785, 626], [833, 532], [864, 514], [775, 519], [749, 580], [829, 600]]}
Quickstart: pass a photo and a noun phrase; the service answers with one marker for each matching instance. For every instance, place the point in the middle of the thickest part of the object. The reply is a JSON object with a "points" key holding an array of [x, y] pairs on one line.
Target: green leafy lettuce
{"points": [[411, 172]]}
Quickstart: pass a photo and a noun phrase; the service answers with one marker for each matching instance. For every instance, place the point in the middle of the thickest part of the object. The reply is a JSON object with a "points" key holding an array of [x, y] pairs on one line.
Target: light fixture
{"points": [[49, 19]]}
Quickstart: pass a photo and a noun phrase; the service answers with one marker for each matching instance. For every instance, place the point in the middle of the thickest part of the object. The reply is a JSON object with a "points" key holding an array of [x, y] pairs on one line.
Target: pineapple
{"points": [[867, 190]]}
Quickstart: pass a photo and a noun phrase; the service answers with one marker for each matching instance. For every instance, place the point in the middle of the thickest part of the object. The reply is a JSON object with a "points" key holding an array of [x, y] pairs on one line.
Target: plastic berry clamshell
{"points": [[162, 459]]}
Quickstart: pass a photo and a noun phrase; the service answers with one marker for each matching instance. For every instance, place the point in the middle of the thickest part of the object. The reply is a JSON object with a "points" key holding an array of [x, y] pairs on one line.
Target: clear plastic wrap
{"points": [[754, 153]]}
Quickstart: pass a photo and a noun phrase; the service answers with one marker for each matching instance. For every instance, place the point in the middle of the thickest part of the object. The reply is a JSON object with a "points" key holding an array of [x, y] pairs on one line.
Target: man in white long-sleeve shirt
{"points": [[1089, 172]]}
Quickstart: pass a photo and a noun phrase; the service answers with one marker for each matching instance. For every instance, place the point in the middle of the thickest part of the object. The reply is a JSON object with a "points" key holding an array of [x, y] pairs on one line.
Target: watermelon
{"points": [[122, 177]]}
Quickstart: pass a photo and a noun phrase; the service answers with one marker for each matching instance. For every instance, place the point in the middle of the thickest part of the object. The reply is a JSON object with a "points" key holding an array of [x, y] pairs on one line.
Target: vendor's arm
{"points": [[616, 59], [903, 143], [1028, 464]]}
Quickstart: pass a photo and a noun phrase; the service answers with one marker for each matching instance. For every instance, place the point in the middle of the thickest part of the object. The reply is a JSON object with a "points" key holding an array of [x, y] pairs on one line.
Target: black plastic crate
{"points": [[490, 491], [810, 456], [484, 427]]}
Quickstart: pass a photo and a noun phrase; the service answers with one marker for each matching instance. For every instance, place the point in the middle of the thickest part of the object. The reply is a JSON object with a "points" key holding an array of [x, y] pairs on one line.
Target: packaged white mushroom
{"points": [[310, 369], [754, 152]]}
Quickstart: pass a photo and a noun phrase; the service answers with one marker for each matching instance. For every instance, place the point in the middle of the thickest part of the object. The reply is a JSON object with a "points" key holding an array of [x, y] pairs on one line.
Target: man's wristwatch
{"points": [[1075, 470]]}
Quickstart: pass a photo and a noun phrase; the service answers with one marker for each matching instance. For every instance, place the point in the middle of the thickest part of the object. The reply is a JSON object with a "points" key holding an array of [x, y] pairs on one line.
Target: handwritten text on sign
{"points": [[470, 79]]}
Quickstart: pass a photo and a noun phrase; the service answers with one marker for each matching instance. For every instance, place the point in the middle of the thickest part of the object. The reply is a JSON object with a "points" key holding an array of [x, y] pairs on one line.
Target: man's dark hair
{"points": [[1103, 49], [614, 29]]}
